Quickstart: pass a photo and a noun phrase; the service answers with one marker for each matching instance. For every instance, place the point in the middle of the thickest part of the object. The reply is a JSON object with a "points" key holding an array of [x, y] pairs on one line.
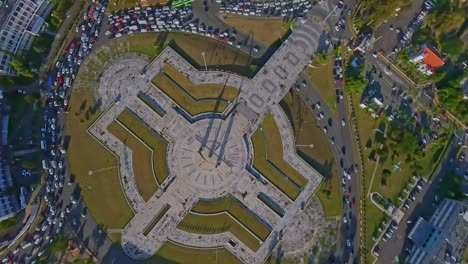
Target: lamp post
{"points": [[203, 55]]}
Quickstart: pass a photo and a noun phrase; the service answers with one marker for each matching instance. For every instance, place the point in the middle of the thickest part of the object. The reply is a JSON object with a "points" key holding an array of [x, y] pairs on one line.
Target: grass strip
{"points": [[271, 204], [172, 252], [151, 103], [275, 151], [237, 210], [201, 91], [141, 160], [158, 217], [218, 223], [151, 138], [269, 172], [185, 101]]}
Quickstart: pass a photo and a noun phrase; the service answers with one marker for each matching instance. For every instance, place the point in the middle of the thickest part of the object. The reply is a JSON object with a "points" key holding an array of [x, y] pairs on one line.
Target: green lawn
{"points": [[142, 160], [145, 99], [171, 252], [320, 157], [322, 78], [238, 211], [193, 107], [264, 167], [151, 138], [215, 224], [201, 91], [102, 190], [156, 219]]}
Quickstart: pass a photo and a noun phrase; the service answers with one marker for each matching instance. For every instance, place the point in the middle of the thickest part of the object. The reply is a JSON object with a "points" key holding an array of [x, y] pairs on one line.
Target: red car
{"points": [[353, 202]]}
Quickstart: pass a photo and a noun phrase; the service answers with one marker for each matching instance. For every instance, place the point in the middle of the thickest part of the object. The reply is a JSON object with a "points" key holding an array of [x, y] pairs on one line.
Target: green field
{"points": [[235, 209], [218, 223], [157, 144], [171, 252], [142, 160], [102, 190], [156, 219]]}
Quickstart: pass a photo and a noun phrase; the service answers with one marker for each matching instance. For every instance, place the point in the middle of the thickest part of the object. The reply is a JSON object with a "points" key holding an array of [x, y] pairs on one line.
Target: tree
{"points": [[354, 84], [322, 58]]}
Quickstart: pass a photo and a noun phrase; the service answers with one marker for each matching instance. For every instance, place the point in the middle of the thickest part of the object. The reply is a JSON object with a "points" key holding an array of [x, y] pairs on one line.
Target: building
{"points": [[9, 204], [20, 21], [444, 238], [428, 59]]}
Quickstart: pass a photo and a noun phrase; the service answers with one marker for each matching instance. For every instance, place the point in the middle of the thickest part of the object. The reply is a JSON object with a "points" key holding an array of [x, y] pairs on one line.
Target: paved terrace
{"points": [[208, 158]]}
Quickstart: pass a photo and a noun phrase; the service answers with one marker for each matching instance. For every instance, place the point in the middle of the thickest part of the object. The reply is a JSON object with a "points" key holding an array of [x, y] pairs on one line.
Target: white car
{"points": [[343, 123]]}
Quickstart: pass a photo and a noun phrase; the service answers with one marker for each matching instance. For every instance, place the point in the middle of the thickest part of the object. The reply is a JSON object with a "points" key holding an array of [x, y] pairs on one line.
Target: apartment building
{"points": [[20, 21], [9, 203], [442, 239]]}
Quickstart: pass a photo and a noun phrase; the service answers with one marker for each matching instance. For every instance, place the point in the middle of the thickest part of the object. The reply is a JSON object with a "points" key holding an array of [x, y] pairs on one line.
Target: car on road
{"points": [[320, 115], [332, 140], [343, 122]]}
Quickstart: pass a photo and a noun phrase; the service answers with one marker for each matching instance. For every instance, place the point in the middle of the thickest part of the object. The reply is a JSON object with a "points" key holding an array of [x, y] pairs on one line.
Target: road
{"points": [[343, 141], [343, 148]]}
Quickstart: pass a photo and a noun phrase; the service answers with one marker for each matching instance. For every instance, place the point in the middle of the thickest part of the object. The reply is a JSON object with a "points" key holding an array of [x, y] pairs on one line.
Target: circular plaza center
{"points": [[210, 157]]}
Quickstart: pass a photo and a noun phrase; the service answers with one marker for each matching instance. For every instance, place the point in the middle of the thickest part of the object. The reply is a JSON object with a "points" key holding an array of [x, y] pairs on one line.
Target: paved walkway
{"points": [[206, 158]]}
